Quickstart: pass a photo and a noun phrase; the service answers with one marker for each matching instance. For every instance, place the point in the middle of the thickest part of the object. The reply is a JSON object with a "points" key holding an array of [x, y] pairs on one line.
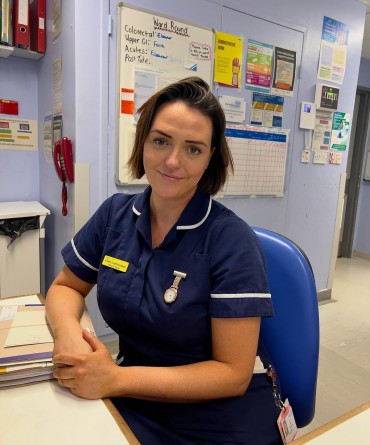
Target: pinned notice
{"points": [[127, 101], [18, 134]]}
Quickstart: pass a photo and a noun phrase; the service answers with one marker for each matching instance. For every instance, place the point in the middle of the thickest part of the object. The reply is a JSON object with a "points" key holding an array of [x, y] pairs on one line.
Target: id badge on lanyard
{"points": [[286, 422]]}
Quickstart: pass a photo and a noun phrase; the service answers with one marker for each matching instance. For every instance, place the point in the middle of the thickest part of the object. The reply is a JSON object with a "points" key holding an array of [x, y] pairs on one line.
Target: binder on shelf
{"points": [[21, 13], [6, 25], [37, 25]]}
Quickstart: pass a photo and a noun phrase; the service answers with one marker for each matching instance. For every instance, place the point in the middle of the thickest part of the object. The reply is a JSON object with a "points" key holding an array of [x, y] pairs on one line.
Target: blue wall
{"points": [[19, 170], [306, 213]]}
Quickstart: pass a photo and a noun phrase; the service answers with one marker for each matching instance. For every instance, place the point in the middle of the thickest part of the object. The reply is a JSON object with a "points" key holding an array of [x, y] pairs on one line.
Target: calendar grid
{"points": [[259, 155]]}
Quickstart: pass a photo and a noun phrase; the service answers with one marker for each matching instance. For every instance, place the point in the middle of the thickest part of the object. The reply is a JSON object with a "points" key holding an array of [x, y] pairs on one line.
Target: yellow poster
{"points": [[228, 57]]}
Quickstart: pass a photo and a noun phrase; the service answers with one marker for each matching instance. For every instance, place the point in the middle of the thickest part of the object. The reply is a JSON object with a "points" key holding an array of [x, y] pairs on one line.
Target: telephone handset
{"points": [[63, 159], [63, 163]]}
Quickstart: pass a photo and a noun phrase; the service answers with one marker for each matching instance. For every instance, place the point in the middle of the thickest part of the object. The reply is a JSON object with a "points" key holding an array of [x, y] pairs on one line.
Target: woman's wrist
{"points": [[69, 329], [116, 385]]}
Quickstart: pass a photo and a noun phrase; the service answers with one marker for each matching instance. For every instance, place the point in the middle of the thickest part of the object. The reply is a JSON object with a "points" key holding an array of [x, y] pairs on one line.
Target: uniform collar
{"points": [[193, 216]]}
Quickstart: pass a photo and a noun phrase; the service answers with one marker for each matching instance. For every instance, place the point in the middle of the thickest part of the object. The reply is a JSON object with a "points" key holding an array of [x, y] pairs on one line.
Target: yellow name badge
{"points": [[115, 263]]}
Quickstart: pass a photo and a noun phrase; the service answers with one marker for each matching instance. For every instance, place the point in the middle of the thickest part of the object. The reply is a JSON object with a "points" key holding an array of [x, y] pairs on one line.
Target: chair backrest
{"points": [[292, 335]]}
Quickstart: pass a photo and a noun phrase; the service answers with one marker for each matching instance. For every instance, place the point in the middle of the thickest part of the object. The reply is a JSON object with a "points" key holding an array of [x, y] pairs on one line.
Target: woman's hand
{"points": [[90, 374]]}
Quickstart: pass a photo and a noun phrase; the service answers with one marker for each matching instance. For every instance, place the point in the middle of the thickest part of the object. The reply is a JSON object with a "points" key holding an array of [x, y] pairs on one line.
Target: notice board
{"points": [[153, 51]]}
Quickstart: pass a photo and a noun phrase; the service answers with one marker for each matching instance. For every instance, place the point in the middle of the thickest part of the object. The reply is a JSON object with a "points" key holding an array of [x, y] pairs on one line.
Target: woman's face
{"points": [[177, 150]]}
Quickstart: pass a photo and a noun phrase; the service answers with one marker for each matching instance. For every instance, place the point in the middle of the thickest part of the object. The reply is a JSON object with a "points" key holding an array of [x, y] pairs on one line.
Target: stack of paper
{"points": [[26, 342], [26, 345]]}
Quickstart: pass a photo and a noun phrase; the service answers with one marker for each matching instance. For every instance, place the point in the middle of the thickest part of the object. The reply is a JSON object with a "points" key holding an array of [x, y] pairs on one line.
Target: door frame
{"points": [[353, 183]]}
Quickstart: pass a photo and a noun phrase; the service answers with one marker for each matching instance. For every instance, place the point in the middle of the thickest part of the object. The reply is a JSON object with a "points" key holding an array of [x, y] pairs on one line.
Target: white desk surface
{"points": [[352, 427], [46, 413]]}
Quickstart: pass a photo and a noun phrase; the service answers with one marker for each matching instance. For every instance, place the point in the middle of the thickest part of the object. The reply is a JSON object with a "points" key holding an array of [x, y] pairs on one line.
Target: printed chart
{"points": [[259, 155]]}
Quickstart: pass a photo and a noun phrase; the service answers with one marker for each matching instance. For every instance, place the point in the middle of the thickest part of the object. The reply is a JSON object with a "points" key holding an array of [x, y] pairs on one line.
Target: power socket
{"points": [[320, 157], [306, 156], [335, 158]]}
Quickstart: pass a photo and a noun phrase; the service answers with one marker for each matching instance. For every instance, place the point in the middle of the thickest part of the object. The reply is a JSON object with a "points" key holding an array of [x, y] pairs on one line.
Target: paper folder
{"points": [[43, 350], [6, 25], [21, 16], [24, 361], [37, 25]]}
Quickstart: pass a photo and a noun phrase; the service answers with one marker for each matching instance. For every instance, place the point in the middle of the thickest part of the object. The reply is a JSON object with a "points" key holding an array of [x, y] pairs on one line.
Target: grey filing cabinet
{"points": [[21, 261]]}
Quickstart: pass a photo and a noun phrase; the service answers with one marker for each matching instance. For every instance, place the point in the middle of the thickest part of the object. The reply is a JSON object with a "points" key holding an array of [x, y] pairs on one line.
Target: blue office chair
{"points": [[292, 336]]}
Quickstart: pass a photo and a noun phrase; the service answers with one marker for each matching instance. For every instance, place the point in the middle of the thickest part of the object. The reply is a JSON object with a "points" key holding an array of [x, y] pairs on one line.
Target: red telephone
{"points": [[63, 163]]}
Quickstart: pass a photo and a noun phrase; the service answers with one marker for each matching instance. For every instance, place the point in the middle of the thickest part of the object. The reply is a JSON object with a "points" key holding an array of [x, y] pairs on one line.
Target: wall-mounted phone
{"points": [[308, 116], [307, 122], [63, 163]]}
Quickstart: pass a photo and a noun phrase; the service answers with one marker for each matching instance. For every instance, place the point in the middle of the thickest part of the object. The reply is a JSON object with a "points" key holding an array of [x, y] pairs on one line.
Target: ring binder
{"points": [[6, 25], [37, 25], [21, 24]]}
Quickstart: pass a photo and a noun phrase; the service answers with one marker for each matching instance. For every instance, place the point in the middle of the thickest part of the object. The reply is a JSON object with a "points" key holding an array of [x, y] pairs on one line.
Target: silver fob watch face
{"points": [[170, 295]]}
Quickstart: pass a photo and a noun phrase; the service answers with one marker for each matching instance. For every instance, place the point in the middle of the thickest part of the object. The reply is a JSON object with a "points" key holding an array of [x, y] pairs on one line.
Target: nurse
{"points": [[181, 280]]}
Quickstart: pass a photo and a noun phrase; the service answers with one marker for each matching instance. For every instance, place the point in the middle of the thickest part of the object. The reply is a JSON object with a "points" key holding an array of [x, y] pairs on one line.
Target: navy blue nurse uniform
{"points": [[225, 277]]}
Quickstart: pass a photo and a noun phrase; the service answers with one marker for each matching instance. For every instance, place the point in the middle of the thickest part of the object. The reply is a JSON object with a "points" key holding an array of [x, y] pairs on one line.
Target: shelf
{"points": [[6, 51]]}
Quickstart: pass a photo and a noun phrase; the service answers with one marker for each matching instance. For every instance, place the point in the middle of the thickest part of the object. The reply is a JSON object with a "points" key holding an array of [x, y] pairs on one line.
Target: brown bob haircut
{"points": [[195, 93]]}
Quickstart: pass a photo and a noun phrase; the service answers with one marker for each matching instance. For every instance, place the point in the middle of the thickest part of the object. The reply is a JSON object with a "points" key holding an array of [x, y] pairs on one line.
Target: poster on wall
{"points": [[267, 110], [259, 66], [340, 131], [18, 134], [333, 51], [48, 138], [284, 71], [228, 57], [234, 108], [322, 130]]}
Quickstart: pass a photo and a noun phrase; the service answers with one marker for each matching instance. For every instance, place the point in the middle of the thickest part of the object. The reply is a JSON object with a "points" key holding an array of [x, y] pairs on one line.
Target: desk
{"points": [[47, 413], [352, 427]]}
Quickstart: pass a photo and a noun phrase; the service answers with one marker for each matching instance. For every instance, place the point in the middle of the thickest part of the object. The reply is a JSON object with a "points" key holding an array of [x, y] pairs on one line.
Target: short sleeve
{"points": [[83, 253], [239, 281]]}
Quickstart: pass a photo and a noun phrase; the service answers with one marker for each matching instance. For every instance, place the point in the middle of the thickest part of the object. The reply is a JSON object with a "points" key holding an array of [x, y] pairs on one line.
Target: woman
{"points": [[181, 280]]}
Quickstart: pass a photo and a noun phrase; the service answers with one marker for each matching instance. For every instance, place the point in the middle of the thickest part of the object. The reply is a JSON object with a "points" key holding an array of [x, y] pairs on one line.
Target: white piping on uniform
{"points": [[194, 226], [135, 211], [240, 295], [81, 259]]}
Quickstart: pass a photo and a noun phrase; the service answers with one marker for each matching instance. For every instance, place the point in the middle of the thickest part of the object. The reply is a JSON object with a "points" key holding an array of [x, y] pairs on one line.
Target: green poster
{"points": [[340, 131]]}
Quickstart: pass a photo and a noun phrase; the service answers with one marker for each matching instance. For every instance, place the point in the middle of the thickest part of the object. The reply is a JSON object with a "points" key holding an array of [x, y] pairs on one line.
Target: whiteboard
{"points": [[153, 51], [259, 155]]}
